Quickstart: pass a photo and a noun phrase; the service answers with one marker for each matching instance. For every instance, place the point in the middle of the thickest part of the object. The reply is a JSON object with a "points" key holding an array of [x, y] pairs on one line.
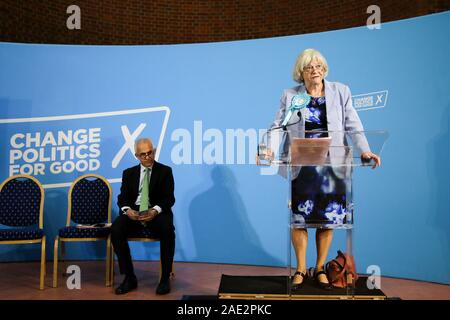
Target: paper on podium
{"points": [[309, 151]]}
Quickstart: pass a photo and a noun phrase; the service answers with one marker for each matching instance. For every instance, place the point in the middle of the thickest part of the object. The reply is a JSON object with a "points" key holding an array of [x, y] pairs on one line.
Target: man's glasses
{"points": [[144, 155], [318, 67]]}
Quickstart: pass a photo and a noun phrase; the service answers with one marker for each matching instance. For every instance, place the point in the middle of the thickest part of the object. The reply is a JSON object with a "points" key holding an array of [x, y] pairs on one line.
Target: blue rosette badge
{"points": [[298, 102]]}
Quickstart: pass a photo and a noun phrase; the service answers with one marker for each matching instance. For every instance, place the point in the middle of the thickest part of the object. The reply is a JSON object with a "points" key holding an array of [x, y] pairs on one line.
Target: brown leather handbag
{"points": [[341, 271]]}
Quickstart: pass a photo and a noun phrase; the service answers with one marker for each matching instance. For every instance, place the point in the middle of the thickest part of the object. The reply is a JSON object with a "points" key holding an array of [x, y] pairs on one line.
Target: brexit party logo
{"points": [[58, 149], [372, 100]]}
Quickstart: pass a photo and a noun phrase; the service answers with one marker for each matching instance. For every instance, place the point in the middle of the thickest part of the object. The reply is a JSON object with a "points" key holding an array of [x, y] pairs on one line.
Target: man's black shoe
{"points": [[163, 287], [128, 284]]}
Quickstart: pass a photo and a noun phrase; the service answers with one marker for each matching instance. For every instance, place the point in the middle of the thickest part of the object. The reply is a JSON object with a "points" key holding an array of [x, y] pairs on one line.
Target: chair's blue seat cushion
{"points": [[26, 233], [143, 233], [74, 232]]}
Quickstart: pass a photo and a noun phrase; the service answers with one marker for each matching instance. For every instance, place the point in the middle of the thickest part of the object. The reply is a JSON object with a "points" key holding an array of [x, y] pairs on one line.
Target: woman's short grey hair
{"points": [[305, 58]]}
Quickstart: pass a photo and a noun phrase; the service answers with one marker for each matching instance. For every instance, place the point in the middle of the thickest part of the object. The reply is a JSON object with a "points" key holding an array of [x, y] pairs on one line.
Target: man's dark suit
{"points": [[161, 193]]}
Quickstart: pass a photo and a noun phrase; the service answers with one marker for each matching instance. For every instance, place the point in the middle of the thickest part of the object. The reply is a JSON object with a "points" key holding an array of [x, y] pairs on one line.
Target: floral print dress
{"points": [[318, 195]]}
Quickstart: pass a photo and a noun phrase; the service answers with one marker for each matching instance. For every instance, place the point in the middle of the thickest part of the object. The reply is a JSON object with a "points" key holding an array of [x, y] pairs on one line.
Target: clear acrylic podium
{"points": [[330, 153]]}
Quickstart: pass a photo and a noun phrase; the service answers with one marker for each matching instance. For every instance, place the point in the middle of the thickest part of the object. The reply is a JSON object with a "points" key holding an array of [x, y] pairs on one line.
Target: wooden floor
{"points": [[21, 281]]}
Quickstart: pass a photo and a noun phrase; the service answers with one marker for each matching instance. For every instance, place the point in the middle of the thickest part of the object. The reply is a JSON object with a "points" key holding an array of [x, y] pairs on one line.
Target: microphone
{"points": [[298, 102], [299, 114]]}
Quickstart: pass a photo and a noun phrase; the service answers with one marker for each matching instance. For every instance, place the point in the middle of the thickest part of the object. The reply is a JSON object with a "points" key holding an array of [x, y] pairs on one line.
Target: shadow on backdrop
{"points": [[221, 229], [438, 153]]}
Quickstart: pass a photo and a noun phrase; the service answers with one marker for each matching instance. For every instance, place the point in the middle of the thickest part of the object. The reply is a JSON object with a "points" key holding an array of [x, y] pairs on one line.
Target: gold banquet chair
{"points": [[89, 207], [143, 235], [21, 209]]}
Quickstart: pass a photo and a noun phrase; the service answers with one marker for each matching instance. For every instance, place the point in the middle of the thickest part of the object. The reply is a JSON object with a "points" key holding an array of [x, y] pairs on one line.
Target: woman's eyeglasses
{"points": [[318, 67]]}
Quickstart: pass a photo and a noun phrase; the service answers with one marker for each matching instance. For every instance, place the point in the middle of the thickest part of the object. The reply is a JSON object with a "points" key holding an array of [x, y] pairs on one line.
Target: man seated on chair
{"points": [[145, 201]]}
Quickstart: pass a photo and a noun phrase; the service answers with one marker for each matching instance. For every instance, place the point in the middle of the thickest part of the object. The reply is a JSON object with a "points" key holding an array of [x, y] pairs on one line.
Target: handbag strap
{"points": [[343, 269], [340, 273], [343, 256], [346, 264]]}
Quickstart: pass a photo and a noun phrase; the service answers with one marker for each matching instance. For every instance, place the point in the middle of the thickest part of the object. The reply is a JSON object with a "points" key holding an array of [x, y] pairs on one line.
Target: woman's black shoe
{"points": [[322, 285], [298, 286]]}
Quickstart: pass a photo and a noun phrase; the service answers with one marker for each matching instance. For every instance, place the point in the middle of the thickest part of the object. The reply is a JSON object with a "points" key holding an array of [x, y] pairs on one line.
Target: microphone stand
{"points": [[299, 114]]}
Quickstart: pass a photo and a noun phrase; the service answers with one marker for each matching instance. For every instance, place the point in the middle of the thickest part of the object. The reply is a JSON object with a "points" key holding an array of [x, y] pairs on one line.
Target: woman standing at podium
{"points": [[314, 107]]}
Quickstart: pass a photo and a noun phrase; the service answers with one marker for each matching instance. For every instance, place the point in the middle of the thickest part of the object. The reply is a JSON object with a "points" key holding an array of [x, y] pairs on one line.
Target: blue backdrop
{"points": [[193, 99]]}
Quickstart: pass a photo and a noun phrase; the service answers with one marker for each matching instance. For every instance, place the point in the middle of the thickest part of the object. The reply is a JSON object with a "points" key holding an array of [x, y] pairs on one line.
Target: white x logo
{"points": [[129, 142], [379, 96]]}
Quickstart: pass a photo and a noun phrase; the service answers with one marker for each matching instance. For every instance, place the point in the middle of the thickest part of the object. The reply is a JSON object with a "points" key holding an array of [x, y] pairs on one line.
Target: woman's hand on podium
{"points": [[258, 162], [367, 156], [267, 155]]}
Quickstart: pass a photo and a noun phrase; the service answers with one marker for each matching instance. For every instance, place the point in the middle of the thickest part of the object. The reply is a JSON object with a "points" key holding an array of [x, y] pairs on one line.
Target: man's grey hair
{"points": [[138, 141]]}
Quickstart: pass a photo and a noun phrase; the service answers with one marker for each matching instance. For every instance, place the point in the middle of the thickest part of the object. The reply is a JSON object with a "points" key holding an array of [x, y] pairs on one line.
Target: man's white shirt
{"points": [[141, 181]]}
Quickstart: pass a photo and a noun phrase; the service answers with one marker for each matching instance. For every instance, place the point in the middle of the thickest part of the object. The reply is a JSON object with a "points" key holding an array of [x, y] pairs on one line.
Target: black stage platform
{"points": [[276, 287]]}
